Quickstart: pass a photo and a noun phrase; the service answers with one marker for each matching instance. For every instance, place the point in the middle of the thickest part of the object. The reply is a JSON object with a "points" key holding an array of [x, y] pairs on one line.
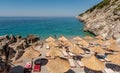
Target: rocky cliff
{"points": [[103, 19]]}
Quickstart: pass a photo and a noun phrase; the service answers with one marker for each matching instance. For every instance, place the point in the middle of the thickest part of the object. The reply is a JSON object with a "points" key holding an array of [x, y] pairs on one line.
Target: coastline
{"points": [[43, 27]]}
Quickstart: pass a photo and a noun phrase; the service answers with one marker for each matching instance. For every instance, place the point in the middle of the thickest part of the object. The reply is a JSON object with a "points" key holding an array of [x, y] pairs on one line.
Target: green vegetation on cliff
{"points": [[98, 6]]}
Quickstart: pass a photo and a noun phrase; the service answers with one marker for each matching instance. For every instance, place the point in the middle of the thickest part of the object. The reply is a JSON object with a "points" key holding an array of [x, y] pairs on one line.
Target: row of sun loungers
{"points": [[80, 63], [73, 65], [65, 53], [71, 61]]}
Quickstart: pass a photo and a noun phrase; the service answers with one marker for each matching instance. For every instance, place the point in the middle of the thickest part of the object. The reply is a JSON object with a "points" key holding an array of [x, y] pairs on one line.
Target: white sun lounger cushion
{"points": [[107, 60], [65, 53], [47, 47], [103, 60], [80, 63], [71, 54], [72, 63]]}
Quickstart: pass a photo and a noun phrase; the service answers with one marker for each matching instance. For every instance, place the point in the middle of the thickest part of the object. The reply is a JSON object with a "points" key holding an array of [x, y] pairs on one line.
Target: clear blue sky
{"points": [[45, 7]]}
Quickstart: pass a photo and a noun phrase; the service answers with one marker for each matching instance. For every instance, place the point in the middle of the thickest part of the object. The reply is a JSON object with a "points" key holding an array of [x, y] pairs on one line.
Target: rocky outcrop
{"points": [[103, 19], [12, 48], [32, 38]]}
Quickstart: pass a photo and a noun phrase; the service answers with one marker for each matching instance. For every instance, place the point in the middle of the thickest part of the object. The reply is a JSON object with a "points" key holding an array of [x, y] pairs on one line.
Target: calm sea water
{"points": [[42, 26]]}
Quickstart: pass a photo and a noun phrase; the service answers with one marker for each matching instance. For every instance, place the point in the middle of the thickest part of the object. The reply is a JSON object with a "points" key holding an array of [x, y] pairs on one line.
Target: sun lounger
{"points": [[87, 52], [103, 60], [80, 63], [65, 53], [108, 70], [107, 60], [71, 54], [47, 47], [72, 63], [36, 68]]}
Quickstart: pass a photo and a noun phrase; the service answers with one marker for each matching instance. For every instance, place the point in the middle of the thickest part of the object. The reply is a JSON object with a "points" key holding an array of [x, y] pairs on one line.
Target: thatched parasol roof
{"points": [[97, 49], [100, 42], [114, 58], [76, 50], [111, 41], [83, 43], [31, 53], [62, 38], [77, 38], [88, 38], [52, 44], [93, 63], [53, 52], [113, 47], [50, 39], [67, 44], [58, 65]]}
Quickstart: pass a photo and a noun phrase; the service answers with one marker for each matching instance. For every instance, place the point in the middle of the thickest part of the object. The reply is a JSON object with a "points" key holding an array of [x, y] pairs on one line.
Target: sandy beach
{"points": [[82, 55]]}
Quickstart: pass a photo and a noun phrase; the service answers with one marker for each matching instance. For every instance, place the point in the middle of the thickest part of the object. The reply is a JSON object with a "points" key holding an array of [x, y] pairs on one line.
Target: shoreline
{"points": [[57, 36]]}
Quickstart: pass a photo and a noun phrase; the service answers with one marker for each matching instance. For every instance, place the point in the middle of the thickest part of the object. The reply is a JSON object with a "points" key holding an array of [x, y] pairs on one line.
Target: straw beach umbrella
{"points": [[111, 41], [83, 43], [67, 44], [77, 38], [58, 65], [52, 44], [53, 52], [88, 38], [97, 49], [63, 39], [100, 42], [31, 53], [50, 39], [76, 50], [113, 47], [115, 59], [93, 63]]}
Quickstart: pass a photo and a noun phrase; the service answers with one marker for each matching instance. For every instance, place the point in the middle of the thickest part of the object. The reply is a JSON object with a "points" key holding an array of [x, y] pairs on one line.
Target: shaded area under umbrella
{"points": [[41, 61], [114, 67]]}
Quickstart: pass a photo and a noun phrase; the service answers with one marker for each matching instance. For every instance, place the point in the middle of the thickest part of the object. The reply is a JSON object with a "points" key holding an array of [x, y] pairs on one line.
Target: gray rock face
{"points": [[4, 37], [31, 38], [103, 21], [12, 39]]}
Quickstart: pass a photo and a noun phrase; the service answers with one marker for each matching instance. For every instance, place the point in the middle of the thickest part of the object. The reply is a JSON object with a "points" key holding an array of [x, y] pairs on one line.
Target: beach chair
{"points": [[87, 52], [107, 60], [107, 70], [72, 63], [80, 63], [47, 47], [71, 54], [36, 68], [103, 60], [65, 53]]}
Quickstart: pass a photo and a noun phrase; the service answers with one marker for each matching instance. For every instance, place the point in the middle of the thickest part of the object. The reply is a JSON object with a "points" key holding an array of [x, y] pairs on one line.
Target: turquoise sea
{"points": [[42, 26]]}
